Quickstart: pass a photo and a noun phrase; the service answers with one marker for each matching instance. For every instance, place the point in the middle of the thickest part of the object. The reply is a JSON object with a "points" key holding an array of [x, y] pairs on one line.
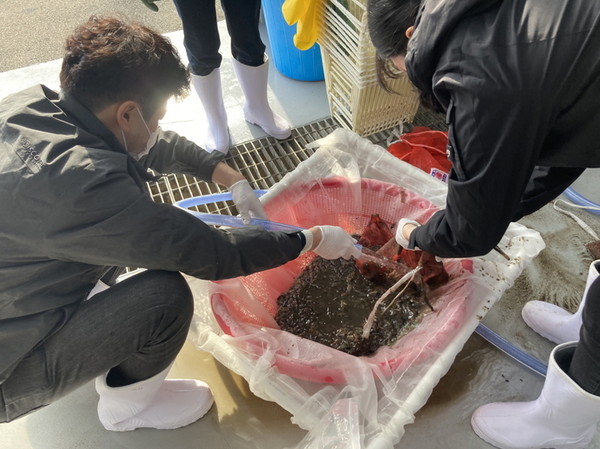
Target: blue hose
{"points": [[236, 222], [520, 356], [580, 200]]}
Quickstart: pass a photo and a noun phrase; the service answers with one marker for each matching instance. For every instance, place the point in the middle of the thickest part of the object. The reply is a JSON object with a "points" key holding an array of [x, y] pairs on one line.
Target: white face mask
{"points": [[152, 139]]}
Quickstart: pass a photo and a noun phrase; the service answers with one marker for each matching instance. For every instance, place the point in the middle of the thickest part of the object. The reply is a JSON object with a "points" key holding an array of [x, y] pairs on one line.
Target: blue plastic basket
{"points": [[303, 65]]}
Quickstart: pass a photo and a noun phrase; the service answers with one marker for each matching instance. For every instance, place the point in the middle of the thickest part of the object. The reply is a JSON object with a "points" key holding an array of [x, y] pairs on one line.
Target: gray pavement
{"points": [[33, 31]]}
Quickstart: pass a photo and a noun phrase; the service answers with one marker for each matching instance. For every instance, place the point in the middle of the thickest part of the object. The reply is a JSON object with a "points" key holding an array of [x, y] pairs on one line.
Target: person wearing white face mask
{"points": [[75, 211]]}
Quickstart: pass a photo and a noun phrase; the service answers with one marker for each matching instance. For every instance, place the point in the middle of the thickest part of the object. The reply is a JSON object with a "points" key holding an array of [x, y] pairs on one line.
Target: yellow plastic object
{"points": [[306, 14]]}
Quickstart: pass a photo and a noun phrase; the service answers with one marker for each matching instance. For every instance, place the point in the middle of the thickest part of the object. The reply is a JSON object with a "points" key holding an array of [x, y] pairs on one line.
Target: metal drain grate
{"points": [[263, 162]]}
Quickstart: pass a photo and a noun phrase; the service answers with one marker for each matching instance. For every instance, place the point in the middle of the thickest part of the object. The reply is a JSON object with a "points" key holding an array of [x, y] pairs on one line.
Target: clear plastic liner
{"points": [[341, 400]]}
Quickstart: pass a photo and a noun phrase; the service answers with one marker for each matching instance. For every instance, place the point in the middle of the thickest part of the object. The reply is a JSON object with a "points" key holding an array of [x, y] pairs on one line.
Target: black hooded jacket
{"points": [[520, 83]]}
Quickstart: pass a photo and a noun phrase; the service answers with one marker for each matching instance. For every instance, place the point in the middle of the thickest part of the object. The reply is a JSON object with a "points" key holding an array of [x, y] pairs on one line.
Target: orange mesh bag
{"points": [[425, 149]]}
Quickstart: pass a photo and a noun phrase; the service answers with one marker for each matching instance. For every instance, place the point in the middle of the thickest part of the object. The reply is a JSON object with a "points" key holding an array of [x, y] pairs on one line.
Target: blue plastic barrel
{"points": [[303, 65]]}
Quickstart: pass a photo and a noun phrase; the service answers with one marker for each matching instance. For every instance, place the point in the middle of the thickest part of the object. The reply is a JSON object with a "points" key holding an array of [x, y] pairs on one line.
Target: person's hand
{"points": [[403, 231], [332, 242], [246, 201], [150, 4]]}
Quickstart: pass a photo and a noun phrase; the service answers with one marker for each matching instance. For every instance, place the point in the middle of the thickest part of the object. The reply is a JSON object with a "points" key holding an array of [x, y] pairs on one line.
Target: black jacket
{"points": [[520, 83], [74, 204]]}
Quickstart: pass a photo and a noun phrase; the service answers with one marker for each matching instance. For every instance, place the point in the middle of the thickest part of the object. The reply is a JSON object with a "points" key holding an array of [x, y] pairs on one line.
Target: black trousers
{"points": [[132, 331], [201, 34], [585, 365]]}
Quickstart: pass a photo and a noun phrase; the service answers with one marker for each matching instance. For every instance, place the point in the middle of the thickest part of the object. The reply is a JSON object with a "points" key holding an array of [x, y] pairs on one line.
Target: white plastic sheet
{"points": [[341, 400]]}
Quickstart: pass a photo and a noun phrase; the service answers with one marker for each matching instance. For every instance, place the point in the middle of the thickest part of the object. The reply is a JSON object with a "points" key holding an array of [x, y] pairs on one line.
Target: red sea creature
{"points": [[389, 262]]}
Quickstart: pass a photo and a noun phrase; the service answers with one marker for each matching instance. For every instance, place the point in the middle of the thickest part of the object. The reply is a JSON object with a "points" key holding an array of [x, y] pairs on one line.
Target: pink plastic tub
{"points": [[245, 307]]}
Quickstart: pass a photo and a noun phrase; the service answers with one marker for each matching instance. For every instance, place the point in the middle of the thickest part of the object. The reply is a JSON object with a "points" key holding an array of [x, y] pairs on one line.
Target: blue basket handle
{"points": [[229, 220], [209, 199]]}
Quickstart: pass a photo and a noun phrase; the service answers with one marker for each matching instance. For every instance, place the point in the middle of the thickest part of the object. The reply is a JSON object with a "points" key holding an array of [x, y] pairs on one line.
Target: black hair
{"points": [[388, 21]]}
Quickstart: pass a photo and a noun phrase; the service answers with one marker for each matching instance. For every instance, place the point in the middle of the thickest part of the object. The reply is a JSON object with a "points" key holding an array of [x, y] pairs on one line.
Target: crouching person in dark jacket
{"points": [[75, 206]]}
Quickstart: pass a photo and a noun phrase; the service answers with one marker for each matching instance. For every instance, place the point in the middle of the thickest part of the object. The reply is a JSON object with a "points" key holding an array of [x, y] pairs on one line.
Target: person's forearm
{"points": [[225, 175], [176, 154], [407, 230]]}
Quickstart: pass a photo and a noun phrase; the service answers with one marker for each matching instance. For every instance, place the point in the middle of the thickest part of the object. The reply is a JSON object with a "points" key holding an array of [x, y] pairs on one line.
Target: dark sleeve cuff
{"points": [[412, 242], [300, 238]]}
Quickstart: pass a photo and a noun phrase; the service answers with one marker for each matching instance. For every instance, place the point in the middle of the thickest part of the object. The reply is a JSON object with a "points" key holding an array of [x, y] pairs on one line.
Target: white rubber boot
{"points": [[565, 416], [253, 81], [554, 322], [215, 134], [156, 403]]}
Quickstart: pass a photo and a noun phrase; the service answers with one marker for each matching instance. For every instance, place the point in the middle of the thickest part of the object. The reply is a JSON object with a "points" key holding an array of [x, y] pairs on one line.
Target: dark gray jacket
{"points": [[520, 83], [74, 203]]}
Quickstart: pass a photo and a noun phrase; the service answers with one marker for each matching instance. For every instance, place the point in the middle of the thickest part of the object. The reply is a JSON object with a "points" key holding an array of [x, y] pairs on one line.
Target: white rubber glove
{"points": [[335, 243], [246, 201], [403, 241]]}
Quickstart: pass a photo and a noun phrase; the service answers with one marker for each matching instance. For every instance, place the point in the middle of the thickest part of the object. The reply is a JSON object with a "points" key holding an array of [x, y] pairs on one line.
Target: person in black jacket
{"points": [[76, 211], [519, 82]]}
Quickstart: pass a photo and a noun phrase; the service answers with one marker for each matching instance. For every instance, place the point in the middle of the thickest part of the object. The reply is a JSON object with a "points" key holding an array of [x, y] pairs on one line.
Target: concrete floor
{"points": [[34, 32], [240, 420]]}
